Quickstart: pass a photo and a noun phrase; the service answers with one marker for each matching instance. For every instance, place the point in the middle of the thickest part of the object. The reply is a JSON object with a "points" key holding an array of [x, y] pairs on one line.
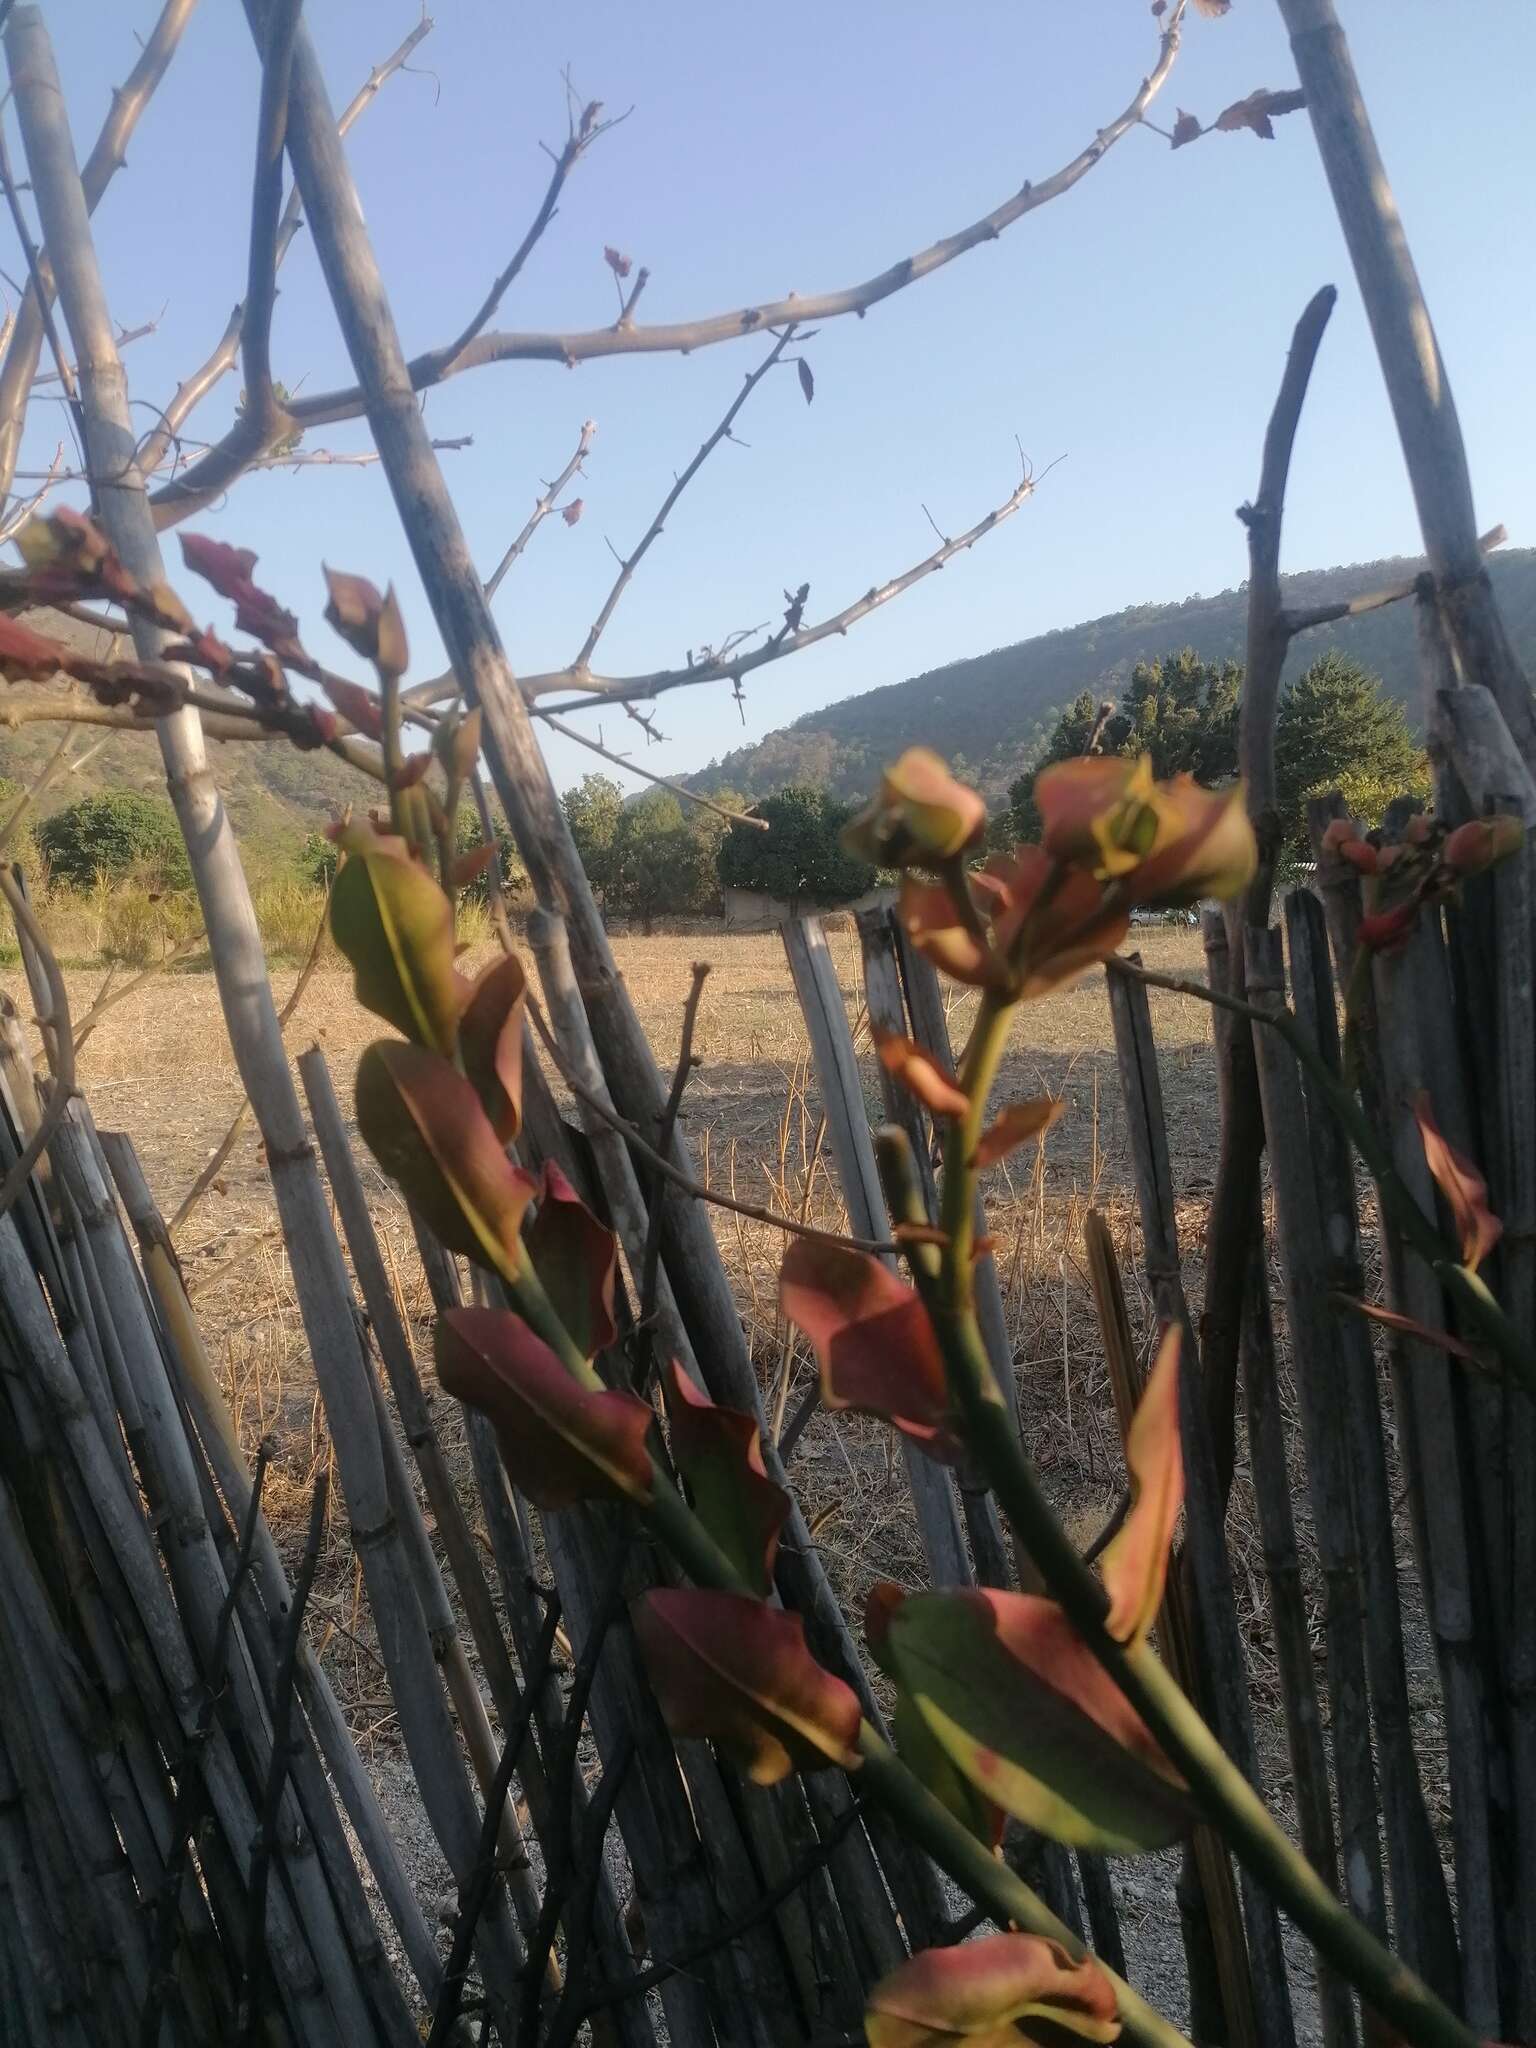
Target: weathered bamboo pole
{"points": [[853, 1154], [1220, 1647], [1411, 365], [1421, 1912]]}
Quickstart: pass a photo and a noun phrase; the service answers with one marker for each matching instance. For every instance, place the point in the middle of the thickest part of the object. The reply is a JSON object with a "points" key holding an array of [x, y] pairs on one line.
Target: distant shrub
{"points": [[120, 833]]}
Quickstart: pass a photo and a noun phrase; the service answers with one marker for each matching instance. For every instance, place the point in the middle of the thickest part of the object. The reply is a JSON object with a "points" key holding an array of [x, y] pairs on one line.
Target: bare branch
{"points": [[261, 408], [30, 795], [39, 293], [597, 690], [61, 1044], [650, 1263], [194, 389], [217, 470], [678, 789], [631, 562], [1304, 617], [1268, 637], [107, 997], [129, 101], [542, 508]]}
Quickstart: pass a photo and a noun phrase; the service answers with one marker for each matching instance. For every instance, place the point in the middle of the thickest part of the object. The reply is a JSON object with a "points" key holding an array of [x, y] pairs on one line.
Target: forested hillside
{"points": [[995, 710]]}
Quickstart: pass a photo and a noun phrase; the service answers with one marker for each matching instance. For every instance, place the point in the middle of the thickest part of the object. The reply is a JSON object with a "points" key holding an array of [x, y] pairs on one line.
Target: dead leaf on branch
{"points": [[1186, 129], [619, 264], [1255, 112], [807, 381], [1213, 10]]}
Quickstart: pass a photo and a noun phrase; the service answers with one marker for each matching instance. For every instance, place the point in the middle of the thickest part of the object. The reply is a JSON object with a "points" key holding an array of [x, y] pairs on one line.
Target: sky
{"points": [[1135, 327]]}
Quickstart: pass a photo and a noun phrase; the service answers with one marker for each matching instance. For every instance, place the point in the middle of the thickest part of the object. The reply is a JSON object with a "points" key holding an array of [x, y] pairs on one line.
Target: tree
{"points": [[592, 810], [1337, 729], [800, 857], [656, 864], [116, 833]]}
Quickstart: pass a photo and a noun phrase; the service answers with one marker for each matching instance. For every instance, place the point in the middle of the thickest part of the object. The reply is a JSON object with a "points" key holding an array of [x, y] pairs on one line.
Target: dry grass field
{"points": [[158, 1068]]}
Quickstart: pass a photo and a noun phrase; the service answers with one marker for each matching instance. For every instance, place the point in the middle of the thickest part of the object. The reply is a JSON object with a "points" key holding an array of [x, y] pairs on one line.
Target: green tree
{"points": [[800, 857], [656, 864], [117, 833], [592, 810], [1338, 729]]}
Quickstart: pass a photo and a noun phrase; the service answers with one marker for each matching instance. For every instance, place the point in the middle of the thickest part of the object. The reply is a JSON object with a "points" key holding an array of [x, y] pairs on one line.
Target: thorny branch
{"points": [[471, 349], [663, 1166], [129, 100], [194, 389]]}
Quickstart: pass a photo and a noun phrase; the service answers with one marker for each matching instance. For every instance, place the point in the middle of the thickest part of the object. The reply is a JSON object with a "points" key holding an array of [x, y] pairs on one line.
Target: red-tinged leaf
{"points": [[1054, 926], [936, 928], [469, 867], [719, 1452], [26, 656], [619, 264], [464, 750], [921, 814], [919, 1073], [1017, 1123], [1186, 129], [1384, 931], [227, 569], [577, 1260], [491, 1042], [1023, 1710], [737, 1672], [170, 611], [561, 1442], [1256, 111], [1408, 1326], [395, 926], [1135, 1562], [354, 609], [358, 706], [571, 513], [1475, 846], [1464, 1189], [983, 1992], [807, 381], [873, 1341], [423, 1123], [915, 1743], [411, 770], [1361, 855]]}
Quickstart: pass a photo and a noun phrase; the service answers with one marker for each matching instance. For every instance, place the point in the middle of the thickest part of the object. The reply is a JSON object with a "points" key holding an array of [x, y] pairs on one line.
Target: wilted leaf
{"points": [[1213, 9], [1186, 129], [737, 1672], [620, 265], [981, 1992], [576, 1258], [395, 926], [491, 1042], [571, 513], [719, 1452], [1023, 1709], [1019, 1121], [873, 1341], [919, 1073], [1135, 1562], [1256, 111], [807, 381], [1465, 1190], [560, 1442], [423, 1123]]}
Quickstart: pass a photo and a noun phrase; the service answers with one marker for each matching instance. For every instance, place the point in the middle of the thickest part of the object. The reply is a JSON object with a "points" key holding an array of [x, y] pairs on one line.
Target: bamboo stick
{"points": [[853, 1154], [1220, 1649], [1318, 1375], [1424, 1929]]}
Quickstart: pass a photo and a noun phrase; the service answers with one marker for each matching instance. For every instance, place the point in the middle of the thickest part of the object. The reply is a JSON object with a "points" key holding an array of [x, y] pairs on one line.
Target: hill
{"points": [[995, 709]]}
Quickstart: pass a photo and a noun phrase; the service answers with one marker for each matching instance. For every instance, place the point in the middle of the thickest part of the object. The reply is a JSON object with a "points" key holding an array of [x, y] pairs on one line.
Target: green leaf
{"points": [[423, 1123], [719, 1452], [560, 1442], [915, 1743], [981, 1992], [730, 1668], [1017, 1702], [576, 1259], [395, 926]]}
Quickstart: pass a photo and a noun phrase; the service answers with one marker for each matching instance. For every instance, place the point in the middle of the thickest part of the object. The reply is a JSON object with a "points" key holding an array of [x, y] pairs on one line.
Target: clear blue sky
{"points": [[1136, 326]]}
